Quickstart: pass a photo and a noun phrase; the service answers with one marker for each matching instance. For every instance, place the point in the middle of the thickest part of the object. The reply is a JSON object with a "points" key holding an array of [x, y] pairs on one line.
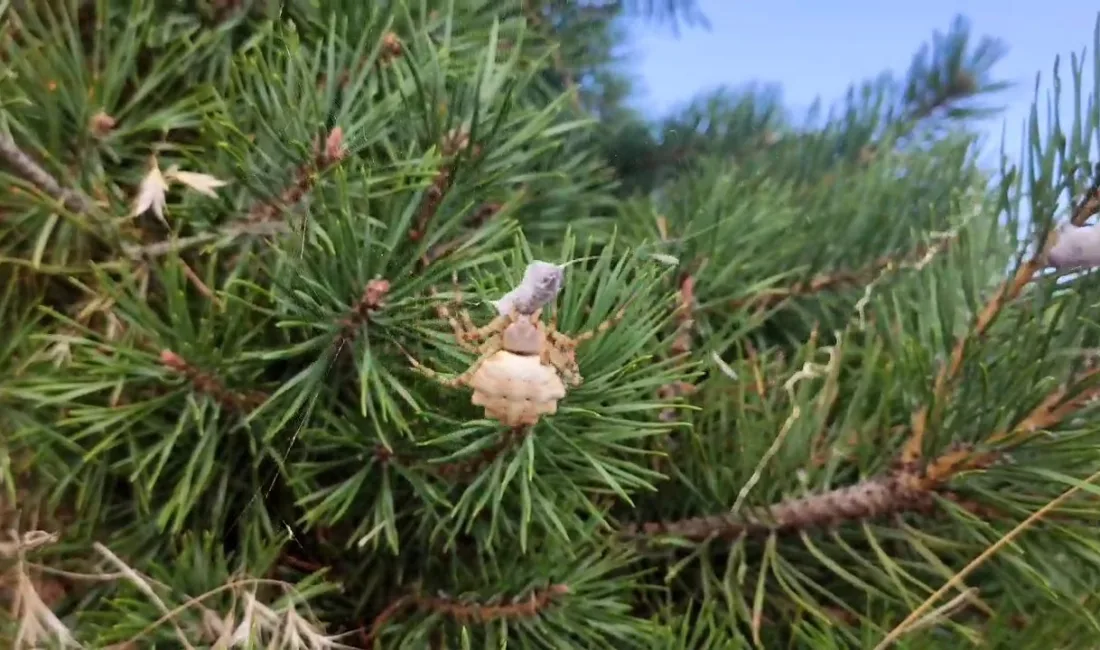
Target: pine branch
{"points": [[369, 302], [1006, 293], [391, 50], [465, 612], [26, 167], [464, 469], [453, 143], [262, 219], [1054, 409], [685, 316], [208, 384], [872, 498], [682, 344], [481, 216], [897, 492], [324, 157], [835, 280]]}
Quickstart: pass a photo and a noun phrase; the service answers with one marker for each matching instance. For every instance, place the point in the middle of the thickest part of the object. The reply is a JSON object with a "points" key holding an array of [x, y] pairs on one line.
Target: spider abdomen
{"points": [[516, 389]]}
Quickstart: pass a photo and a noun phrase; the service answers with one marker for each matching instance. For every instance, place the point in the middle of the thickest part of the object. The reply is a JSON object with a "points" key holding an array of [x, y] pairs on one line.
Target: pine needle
{"points": [[957, 579]]}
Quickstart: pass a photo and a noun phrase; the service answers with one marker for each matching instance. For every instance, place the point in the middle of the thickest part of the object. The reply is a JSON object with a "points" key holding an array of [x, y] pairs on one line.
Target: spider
{"points": [[523, 365]]}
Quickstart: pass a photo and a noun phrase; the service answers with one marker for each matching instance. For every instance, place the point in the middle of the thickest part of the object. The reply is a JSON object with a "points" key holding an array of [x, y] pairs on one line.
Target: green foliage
{"points": [[216, 412]]}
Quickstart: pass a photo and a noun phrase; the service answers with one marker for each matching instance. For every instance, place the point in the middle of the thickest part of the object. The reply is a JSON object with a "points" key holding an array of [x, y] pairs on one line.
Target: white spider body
{"points": [[516, 389], [523, 365]]}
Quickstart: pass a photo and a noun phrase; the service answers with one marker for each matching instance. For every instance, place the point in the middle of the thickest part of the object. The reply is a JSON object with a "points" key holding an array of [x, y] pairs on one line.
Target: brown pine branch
{"points": [[480, 217], [391, 50], [225, 10], [101, 124], [760, 385], [1006, 293], [685, 317], [1054, 409], [26, 167], [845, 277], [962, 86], [464, 469], [433, 198], [304, 178], [681, 344], [262, 219], [898, 492], [465, 612], [454, 142], [872, 498], [209, 384]]}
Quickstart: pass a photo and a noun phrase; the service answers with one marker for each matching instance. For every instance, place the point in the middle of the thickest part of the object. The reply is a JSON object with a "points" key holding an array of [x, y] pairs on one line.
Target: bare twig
{"points": [[38, 626], [26, 167]]}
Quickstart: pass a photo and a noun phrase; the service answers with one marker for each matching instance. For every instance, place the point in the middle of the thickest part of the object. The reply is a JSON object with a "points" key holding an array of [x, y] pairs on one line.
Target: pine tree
{"points": [[822, 415]]}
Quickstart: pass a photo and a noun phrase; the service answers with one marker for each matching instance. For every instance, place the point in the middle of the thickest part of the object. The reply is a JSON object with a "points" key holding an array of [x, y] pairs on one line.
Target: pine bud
{"points": [[541, 284], [1075, 247]]}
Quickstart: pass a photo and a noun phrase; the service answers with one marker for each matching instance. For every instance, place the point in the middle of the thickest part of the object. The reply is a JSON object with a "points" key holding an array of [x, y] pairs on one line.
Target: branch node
{"points": [[208, 384], [370, 301], [325, 156]]}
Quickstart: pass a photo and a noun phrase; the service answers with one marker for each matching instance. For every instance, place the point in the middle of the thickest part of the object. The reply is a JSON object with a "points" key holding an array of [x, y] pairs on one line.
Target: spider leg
{"points": [[461, 333], [566, 364], [560, 355], [463, 315], [575, 340], [450, 382], [496, 326], [465, 332]]}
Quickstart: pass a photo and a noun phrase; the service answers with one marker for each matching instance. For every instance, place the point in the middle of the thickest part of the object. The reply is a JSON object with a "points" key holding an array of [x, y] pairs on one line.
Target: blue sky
{"points": [[815, 48]]}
